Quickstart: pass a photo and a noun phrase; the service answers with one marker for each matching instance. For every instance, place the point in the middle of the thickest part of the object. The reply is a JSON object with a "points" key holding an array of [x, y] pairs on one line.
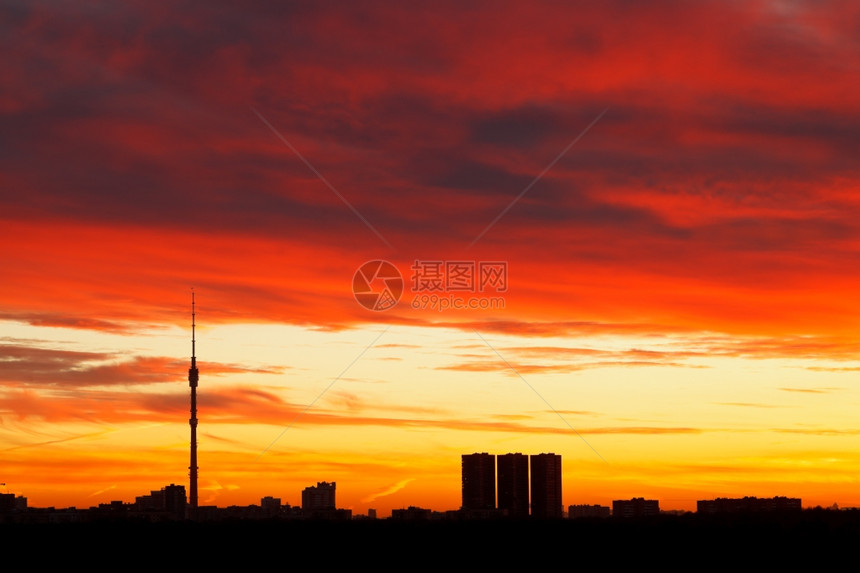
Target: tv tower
{"points": [[193, 376]]}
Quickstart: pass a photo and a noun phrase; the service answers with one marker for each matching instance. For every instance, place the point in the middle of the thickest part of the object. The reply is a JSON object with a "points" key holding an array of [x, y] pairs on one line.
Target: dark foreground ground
{"points": [[689, 542]]}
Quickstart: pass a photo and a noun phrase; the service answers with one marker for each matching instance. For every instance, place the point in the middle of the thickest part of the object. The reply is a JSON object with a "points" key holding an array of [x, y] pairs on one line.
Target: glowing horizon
{"points": [[673, 189]]}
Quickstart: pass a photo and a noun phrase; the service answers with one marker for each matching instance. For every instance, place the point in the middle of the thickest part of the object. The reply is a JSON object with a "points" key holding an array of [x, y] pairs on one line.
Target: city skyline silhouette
{"points": [[624, 233]]}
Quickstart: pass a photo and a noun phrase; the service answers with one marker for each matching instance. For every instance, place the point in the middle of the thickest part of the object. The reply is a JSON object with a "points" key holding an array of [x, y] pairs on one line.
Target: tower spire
{"points": [[193, 377]]}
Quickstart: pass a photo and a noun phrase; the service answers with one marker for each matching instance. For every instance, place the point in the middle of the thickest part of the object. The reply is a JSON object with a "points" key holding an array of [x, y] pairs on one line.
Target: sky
{"points": [[665, 197]]}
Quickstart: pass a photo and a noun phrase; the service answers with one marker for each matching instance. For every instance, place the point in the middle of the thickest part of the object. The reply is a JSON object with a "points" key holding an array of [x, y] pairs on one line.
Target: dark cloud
{"points": [[726, 156], [526, 127], [67, 321], [33, 367]]}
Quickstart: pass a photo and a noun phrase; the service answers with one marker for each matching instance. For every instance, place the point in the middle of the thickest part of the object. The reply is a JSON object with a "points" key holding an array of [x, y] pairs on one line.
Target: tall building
{"points": [[320, 496], [513, 484], [546, 486], [169, 500], [636, 507], [577, 511], [10, 503], [748, 505], [270, 506], [174, 500], [193, 377], [479, 481]]}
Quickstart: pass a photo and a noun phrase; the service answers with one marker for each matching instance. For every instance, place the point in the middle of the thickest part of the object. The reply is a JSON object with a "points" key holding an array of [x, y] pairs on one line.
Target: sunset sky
{"points": [[673, 186]]}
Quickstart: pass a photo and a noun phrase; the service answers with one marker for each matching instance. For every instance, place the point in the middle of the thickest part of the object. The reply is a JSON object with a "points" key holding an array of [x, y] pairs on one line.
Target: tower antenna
{"points": [[193, 377]]}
